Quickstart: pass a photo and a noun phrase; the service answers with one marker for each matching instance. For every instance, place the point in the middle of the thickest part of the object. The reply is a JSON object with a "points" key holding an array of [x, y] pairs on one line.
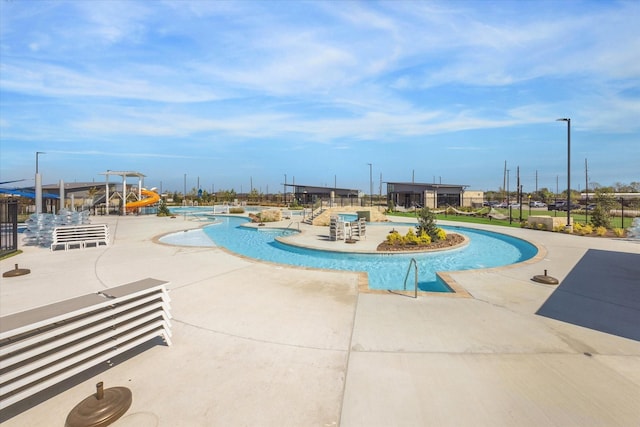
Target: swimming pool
{"points": [[385, 271]]}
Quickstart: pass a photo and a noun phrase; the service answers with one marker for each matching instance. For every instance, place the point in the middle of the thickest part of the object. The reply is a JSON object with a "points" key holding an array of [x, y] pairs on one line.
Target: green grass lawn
{"points": [[616, 222]]}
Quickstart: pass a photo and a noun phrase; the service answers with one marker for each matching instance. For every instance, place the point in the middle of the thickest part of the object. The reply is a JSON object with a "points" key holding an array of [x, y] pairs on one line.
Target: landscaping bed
{"points": [[451, 241]]}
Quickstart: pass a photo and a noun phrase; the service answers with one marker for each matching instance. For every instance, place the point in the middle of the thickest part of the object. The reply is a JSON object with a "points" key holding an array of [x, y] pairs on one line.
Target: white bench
{"points": [[46, 345], [81, 236]]}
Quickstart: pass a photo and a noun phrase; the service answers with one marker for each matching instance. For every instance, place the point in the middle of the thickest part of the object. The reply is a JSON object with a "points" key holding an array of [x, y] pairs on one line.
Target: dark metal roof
{"points": [[319, 188]]}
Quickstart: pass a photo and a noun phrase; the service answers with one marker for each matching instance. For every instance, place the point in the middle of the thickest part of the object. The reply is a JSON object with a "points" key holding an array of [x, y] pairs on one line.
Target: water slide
{"points": [[150, 198]]}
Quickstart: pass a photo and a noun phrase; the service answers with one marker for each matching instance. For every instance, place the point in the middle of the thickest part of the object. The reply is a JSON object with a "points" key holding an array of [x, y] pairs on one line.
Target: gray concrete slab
{"points": [[263, 344], [601, 292], [462, 389]]}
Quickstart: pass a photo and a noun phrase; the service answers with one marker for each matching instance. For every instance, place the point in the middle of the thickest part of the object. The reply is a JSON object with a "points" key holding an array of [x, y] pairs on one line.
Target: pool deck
{"points": [[260, 344]]}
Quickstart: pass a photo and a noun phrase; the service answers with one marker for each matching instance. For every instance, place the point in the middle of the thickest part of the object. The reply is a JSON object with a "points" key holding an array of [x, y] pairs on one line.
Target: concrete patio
{"points": [[260, 344]]}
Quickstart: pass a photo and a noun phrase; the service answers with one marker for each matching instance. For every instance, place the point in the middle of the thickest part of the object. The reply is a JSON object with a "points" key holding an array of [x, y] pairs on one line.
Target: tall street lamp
{"points": [[568, 120], [370, 184], [38, 185]]}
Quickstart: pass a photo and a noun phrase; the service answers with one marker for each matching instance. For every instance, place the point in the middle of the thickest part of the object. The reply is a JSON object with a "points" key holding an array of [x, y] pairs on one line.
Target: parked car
{"points": [[552, 206], [563, 206], [537, 204]]}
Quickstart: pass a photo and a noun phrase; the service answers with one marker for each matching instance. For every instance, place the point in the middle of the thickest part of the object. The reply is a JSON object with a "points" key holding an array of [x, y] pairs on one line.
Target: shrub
{"points": [[424, 238], [411, 238], [525, 224], [390, 206], [394, 238], [601, 231], [442, 235], [236, 210], [271, 215], [619, 232], [558, 228], [295, 205], [587, 229], [163, 210], [541, 226]]}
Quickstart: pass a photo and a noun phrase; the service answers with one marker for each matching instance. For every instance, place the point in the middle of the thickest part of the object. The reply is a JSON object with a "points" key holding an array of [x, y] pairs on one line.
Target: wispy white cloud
{"points": [[52, 80], [130, 154], [307, 74]]}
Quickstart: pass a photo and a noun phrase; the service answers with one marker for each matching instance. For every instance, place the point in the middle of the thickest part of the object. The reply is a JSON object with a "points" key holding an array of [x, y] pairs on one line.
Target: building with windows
{"points": [[309, 194], [414, 194]]}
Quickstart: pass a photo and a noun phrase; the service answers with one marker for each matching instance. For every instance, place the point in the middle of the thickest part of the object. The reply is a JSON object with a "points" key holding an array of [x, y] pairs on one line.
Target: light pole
{"points": [[370, 184], [568, 120], [38, 185]]}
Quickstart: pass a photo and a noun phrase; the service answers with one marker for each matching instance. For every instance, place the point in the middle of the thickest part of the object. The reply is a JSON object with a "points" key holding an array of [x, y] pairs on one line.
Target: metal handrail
{"points": [[413, 263]]}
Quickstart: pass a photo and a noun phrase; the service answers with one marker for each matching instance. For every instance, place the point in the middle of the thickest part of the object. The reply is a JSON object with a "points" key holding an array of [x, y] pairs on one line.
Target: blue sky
{"points": [[239, 93]]}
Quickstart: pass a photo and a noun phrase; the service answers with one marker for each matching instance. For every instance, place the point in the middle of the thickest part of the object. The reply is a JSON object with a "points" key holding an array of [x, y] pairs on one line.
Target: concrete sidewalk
{"points": [[263, 344]]}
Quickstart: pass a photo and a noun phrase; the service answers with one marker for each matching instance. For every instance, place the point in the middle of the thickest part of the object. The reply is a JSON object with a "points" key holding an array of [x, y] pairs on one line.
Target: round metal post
{"points": [[568, 120]]}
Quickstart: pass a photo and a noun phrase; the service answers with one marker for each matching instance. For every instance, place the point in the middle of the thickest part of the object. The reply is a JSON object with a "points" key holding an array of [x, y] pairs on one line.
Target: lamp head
{"points": [[563, 120]]}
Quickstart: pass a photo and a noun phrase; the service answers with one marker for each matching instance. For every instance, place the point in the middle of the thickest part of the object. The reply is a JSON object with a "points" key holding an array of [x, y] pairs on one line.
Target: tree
{"points": [[605, 201], [427, 224], [545, 195], [227, 195], [254, 195], [177, 198]]}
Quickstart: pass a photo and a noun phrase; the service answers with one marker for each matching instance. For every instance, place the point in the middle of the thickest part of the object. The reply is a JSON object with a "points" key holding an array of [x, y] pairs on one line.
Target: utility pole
{"points": [[370, 183], [504, 181], [586, 190], [380, 187], [519, 189]]}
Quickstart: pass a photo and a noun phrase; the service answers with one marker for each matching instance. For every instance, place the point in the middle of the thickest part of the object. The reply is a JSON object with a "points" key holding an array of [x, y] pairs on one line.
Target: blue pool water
{"points": [[348, 217], [385, 271]]}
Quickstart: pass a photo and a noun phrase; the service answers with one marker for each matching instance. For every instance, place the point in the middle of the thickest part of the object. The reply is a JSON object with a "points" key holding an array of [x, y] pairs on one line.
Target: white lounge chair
{"points": [[336, 229]]}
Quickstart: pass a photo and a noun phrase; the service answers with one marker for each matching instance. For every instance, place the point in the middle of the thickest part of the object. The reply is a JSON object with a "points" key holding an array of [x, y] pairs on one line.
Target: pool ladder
{"points": [[413, 263]]}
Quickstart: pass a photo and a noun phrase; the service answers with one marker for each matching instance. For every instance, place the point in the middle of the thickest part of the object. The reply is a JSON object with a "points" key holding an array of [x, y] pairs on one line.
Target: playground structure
{"points": [[151, 197]]}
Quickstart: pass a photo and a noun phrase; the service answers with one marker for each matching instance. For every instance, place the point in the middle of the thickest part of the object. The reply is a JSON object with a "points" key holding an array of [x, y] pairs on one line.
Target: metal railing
{"points": [[413, 263], [8, 226], [292, 223]]}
